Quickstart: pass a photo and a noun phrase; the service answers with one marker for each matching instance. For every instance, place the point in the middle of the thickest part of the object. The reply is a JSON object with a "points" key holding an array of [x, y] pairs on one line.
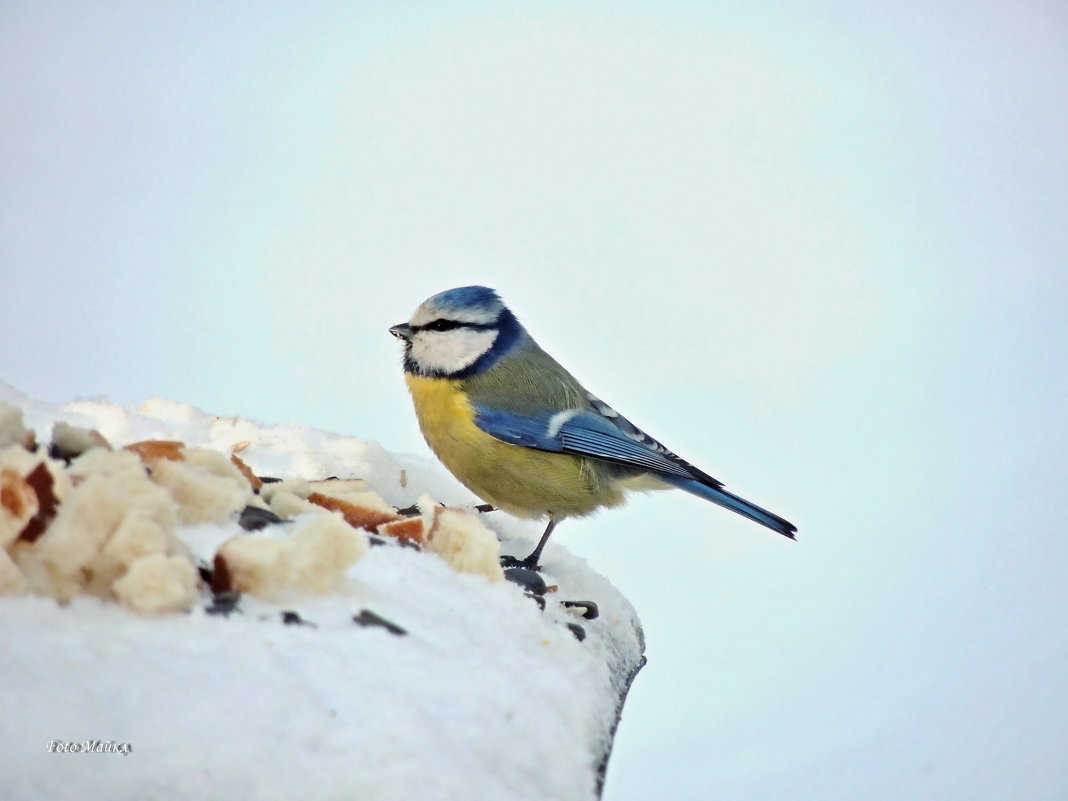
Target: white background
{"points": [[819, 249]]}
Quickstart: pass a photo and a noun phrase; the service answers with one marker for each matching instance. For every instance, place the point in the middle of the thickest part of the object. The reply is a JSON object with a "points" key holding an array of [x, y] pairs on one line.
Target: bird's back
{"points": [[527, 382]]}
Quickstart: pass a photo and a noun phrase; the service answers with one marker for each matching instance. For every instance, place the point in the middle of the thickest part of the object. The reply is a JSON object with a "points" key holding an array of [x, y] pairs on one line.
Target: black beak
{"points": [[402, 331]]}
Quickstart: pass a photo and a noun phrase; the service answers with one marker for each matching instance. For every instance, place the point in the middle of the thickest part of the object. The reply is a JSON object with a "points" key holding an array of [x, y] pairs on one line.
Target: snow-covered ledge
{"points": [[405, 672]]}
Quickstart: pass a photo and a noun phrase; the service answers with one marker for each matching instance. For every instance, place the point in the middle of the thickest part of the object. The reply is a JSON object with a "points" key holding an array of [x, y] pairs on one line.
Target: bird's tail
{"points": [[731, 501]]}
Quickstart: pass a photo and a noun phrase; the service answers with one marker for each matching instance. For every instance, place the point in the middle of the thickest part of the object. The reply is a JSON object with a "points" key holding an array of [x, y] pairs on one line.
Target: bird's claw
{"points": [[530, 563]]}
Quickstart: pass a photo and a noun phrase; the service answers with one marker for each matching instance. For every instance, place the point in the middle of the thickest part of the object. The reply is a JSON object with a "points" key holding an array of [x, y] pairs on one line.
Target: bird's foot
{"points": [[530, 563]]}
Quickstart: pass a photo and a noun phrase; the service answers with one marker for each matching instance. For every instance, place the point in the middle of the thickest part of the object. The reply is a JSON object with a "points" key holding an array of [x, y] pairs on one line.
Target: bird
{"points": [[519, 431]]}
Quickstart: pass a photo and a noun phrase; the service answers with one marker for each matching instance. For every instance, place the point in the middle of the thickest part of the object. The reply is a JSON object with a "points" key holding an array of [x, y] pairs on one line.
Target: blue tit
{"points": [[520, 431]]}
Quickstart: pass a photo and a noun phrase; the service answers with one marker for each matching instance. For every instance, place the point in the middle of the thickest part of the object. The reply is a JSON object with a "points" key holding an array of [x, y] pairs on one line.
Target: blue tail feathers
{"points": [[731, 501]]}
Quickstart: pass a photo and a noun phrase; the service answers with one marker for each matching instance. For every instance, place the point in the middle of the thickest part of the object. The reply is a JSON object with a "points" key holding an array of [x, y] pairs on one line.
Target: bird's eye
{"points": [[442, 325]]}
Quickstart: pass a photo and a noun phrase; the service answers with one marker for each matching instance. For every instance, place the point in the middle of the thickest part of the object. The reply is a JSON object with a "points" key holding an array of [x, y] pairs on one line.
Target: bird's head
{"points": [[457, 332]]}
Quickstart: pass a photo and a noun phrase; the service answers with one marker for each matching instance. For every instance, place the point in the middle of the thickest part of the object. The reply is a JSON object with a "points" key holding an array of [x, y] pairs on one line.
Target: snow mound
{"points": [[177, 628]]}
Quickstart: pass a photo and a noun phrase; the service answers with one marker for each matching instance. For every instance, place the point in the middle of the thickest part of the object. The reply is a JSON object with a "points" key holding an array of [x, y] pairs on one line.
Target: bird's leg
{"points": [[531, 562]]}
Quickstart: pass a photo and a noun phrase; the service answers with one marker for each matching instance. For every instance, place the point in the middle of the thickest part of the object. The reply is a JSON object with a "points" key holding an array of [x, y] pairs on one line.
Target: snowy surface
{"points": [[485, 697]]}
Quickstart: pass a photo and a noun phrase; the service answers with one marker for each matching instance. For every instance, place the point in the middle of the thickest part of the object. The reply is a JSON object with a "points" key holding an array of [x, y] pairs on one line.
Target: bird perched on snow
{"points": [[520, 431]]}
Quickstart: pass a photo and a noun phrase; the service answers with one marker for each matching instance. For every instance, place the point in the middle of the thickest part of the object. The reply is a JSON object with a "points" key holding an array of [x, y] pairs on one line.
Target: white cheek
{"points": [[450, 351]]}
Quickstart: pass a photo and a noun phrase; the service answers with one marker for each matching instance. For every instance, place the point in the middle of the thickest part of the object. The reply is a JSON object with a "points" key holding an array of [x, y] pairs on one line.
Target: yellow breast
{"points": [[523, 481]]}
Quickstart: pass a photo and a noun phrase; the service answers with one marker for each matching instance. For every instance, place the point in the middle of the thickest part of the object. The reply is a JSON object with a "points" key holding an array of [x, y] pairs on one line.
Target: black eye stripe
{"points": [[442, 324]]}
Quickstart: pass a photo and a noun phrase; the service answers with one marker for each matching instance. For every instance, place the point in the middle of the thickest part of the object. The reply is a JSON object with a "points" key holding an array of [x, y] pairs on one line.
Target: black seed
{"points": [[527, 579], [224, 603], [591, 612], [291, 618], [253, 518], [538, 599], [578, 631], [55, 453], [369, 618], [378, 539], [269, 479], [408, 511]]}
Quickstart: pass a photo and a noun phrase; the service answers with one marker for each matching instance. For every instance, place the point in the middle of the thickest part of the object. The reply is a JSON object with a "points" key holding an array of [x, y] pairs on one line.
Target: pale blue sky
{"points": [[819, 249]]}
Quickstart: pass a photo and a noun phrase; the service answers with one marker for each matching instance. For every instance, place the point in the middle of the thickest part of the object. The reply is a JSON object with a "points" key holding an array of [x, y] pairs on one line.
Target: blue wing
{"points": [[585, 433], [602, 433]]}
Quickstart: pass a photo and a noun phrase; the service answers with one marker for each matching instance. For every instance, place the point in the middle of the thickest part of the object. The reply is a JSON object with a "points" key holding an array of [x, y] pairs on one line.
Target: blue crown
{"points": [[467, 297]]}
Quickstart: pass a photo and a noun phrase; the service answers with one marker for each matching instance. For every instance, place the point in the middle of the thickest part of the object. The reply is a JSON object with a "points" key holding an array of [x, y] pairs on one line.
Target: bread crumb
{"points": [[22, 474], [355, 515], [136, 536], [460, 538], [113, 491], [323, 550], [152, 450], [109, 464], [158, 583], [206, 486], [41, 578], [72, 441], [12, 430], [288, 498], [18, 503], [353, 490], [12, 582], [409, 529], [253, 480], [255, 565], [311, 561], [82, 526]]}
